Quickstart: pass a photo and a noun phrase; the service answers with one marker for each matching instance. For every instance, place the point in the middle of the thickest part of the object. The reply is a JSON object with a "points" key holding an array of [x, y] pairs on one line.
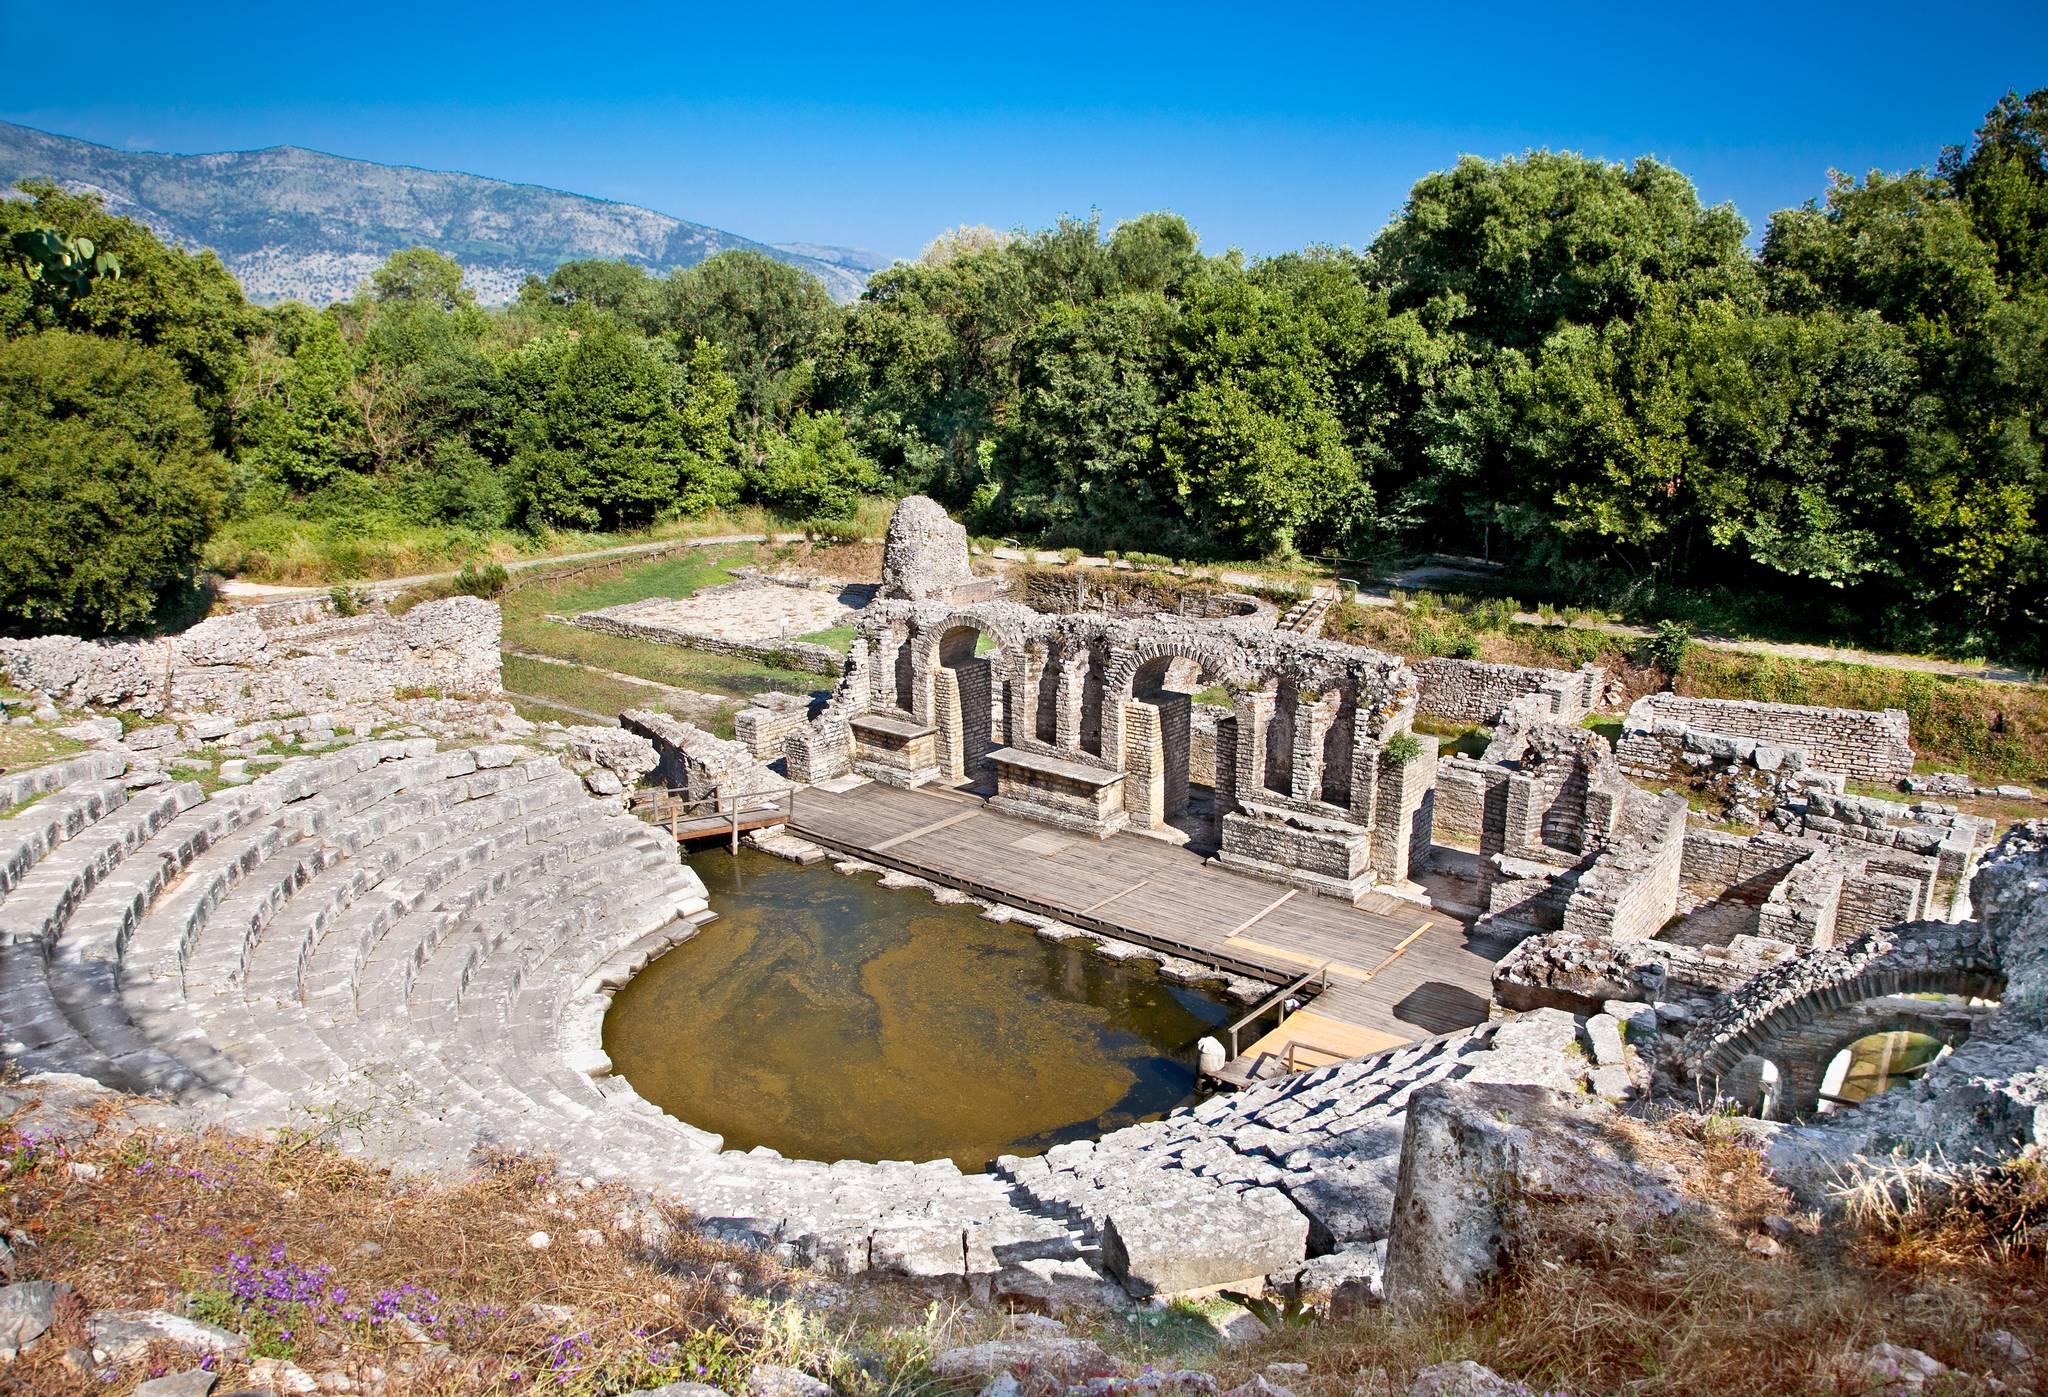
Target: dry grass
{"points": [[1705, 1305], [621, 1298]]}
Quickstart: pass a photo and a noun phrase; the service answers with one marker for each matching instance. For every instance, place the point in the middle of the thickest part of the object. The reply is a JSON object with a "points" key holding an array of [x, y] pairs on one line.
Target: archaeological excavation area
{"points": [[1080, 949]]}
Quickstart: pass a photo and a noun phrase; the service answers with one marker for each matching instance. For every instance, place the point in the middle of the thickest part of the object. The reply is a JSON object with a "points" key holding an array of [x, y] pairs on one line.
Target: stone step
{"points": [[38, 906], [27, 837]]}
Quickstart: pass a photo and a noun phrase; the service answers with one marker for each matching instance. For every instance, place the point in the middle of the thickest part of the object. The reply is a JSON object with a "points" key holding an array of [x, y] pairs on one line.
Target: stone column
{"points": [[1073, 691], [1311, 725], [1020, 712], [1401, 828], [1254, 717], [947, 718], [1144, 761], [1226, 765]]}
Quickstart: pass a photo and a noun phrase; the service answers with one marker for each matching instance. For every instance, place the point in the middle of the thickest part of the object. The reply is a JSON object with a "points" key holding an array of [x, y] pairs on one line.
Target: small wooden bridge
{"points": [[720, 816], [1360, 978]]}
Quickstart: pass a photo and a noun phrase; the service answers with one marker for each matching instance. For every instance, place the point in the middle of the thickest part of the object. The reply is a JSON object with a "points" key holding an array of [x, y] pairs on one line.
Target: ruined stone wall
{"points": [[1853, 742], [1470, 691], [806, 657], [1471, 805], [1630, 890], [268, 662], [762, 726], [700, 764], [1926, 828], [1716, 864]]}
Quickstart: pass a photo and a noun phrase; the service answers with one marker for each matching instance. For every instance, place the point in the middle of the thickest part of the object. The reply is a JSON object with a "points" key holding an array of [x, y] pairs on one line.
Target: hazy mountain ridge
{"points": [[304, 225]]}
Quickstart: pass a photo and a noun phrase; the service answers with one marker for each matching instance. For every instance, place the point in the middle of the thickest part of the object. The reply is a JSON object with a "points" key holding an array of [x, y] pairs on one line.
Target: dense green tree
{"points": [[2002, 178], [602, 441], [814, 471], [421, 276], [183, 303], [770, 319], [1508, 251], [112, 485], [301, 427]]}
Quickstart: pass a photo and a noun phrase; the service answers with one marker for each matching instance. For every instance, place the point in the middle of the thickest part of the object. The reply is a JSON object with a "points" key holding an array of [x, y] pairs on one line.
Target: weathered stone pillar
{"points": [[1311, 725], [1144, 766], [1254, 717], [1020, 712], [1072, 694], [1226, 765], [1401, 827], [947, 717]]}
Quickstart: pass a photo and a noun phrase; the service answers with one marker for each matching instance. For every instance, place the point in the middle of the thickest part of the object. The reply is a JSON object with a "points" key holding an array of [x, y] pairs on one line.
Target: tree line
{"points": [[1572, 366]]}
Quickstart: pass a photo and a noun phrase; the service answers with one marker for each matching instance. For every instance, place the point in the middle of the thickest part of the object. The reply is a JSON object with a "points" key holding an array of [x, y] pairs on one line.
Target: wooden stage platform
{"points": [[1157, 894]]}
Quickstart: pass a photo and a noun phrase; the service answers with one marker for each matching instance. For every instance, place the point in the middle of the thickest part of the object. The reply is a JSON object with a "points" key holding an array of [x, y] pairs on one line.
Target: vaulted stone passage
{"points": [[1798, 1015]]}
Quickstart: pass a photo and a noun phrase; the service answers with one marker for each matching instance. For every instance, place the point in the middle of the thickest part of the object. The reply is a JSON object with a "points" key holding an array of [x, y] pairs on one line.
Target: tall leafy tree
{"points": [[110, 477]]}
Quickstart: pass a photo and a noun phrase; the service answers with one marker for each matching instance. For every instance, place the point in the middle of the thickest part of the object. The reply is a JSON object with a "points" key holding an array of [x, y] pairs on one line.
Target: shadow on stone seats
{"points": [[1436, 1007]]}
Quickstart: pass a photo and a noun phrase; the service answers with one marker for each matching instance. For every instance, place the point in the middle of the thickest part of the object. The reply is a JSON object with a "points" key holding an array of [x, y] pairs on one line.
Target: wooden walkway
{"points": [[1159, 895]]}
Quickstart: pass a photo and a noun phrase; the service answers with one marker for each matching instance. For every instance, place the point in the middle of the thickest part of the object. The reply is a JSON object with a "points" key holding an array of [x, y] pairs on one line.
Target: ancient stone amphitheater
{"points": [[393, 920]]}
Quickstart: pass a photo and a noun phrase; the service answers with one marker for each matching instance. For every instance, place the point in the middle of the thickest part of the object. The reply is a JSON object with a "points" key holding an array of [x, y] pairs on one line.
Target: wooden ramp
{"points": [[1397, 971]]}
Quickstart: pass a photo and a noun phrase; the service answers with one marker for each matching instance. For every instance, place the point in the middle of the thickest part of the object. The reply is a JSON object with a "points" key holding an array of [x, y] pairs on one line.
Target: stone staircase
{"points": [[1305, 617], [410, 951]]}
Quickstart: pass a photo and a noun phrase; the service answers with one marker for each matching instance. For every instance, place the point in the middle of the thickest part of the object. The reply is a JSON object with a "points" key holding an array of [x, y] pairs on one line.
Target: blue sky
{"points": [[1268, 127]]}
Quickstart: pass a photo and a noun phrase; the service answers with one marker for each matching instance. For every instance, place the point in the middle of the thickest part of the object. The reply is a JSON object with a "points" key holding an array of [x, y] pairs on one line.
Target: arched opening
{"points": [[964, 705], [1876, 1063], [1755, 1086], [1179, 749], [1045, 725]]}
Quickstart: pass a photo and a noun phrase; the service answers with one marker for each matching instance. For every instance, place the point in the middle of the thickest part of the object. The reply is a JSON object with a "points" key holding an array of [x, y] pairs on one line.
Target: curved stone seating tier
{"points": [[411, 952]]}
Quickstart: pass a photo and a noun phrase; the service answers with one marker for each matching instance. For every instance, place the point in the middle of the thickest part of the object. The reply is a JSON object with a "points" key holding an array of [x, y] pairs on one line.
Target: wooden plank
{"points": [[1275, 905], [1387, 975], [1095, 906], [904, 838]]}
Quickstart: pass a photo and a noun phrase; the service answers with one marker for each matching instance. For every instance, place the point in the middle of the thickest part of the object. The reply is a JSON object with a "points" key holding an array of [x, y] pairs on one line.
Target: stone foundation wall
{"points": [[1715, 864], [273, 661], [1469, 691], [1853, 742], [803, 656]]}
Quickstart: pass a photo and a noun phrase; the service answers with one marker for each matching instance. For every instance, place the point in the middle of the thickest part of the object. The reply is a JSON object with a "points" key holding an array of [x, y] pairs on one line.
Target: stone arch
{"points": [[1791, 1011], [959, 691], [1821, 1041]]}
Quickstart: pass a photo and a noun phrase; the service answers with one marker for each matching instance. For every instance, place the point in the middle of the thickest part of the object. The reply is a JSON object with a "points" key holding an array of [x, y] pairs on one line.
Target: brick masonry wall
{"points": [[1471, 691], [1864, 745]]}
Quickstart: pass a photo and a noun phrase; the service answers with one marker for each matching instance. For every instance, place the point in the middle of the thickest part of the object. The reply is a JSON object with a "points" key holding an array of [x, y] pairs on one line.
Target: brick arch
{"points": [[1803, 991], [1228, 665], [1829, 1035]]}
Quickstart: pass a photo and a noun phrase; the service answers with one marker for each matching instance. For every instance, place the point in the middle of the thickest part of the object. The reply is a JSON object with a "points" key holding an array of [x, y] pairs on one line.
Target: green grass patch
{"points": [[25, 747], [840, 638]]}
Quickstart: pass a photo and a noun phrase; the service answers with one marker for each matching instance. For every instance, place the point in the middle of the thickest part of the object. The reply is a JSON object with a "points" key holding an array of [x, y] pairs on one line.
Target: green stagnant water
{"points": [[830, 1018]]}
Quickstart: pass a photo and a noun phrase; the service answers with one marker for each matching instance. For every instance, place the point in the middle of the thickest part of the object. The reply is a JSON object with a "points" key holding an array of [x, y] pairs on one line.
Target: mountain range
{"points": [[296, 224]]}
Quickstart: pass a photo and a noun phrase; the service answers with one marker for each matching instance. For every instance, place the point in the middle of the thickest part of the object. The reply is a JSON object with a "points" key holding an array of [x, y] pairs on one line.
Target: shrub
{"points": [[1070, 556], [346, 601], [1402, 748], [1667, 647], [486, 581], [1111, 556], [111, 485]]}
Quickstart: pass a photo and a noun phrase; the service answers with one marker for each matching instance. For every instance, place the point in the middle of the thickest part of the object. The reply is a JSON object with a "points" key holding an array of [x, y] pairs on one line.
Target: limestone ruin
{"points": [[429, 893]]}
